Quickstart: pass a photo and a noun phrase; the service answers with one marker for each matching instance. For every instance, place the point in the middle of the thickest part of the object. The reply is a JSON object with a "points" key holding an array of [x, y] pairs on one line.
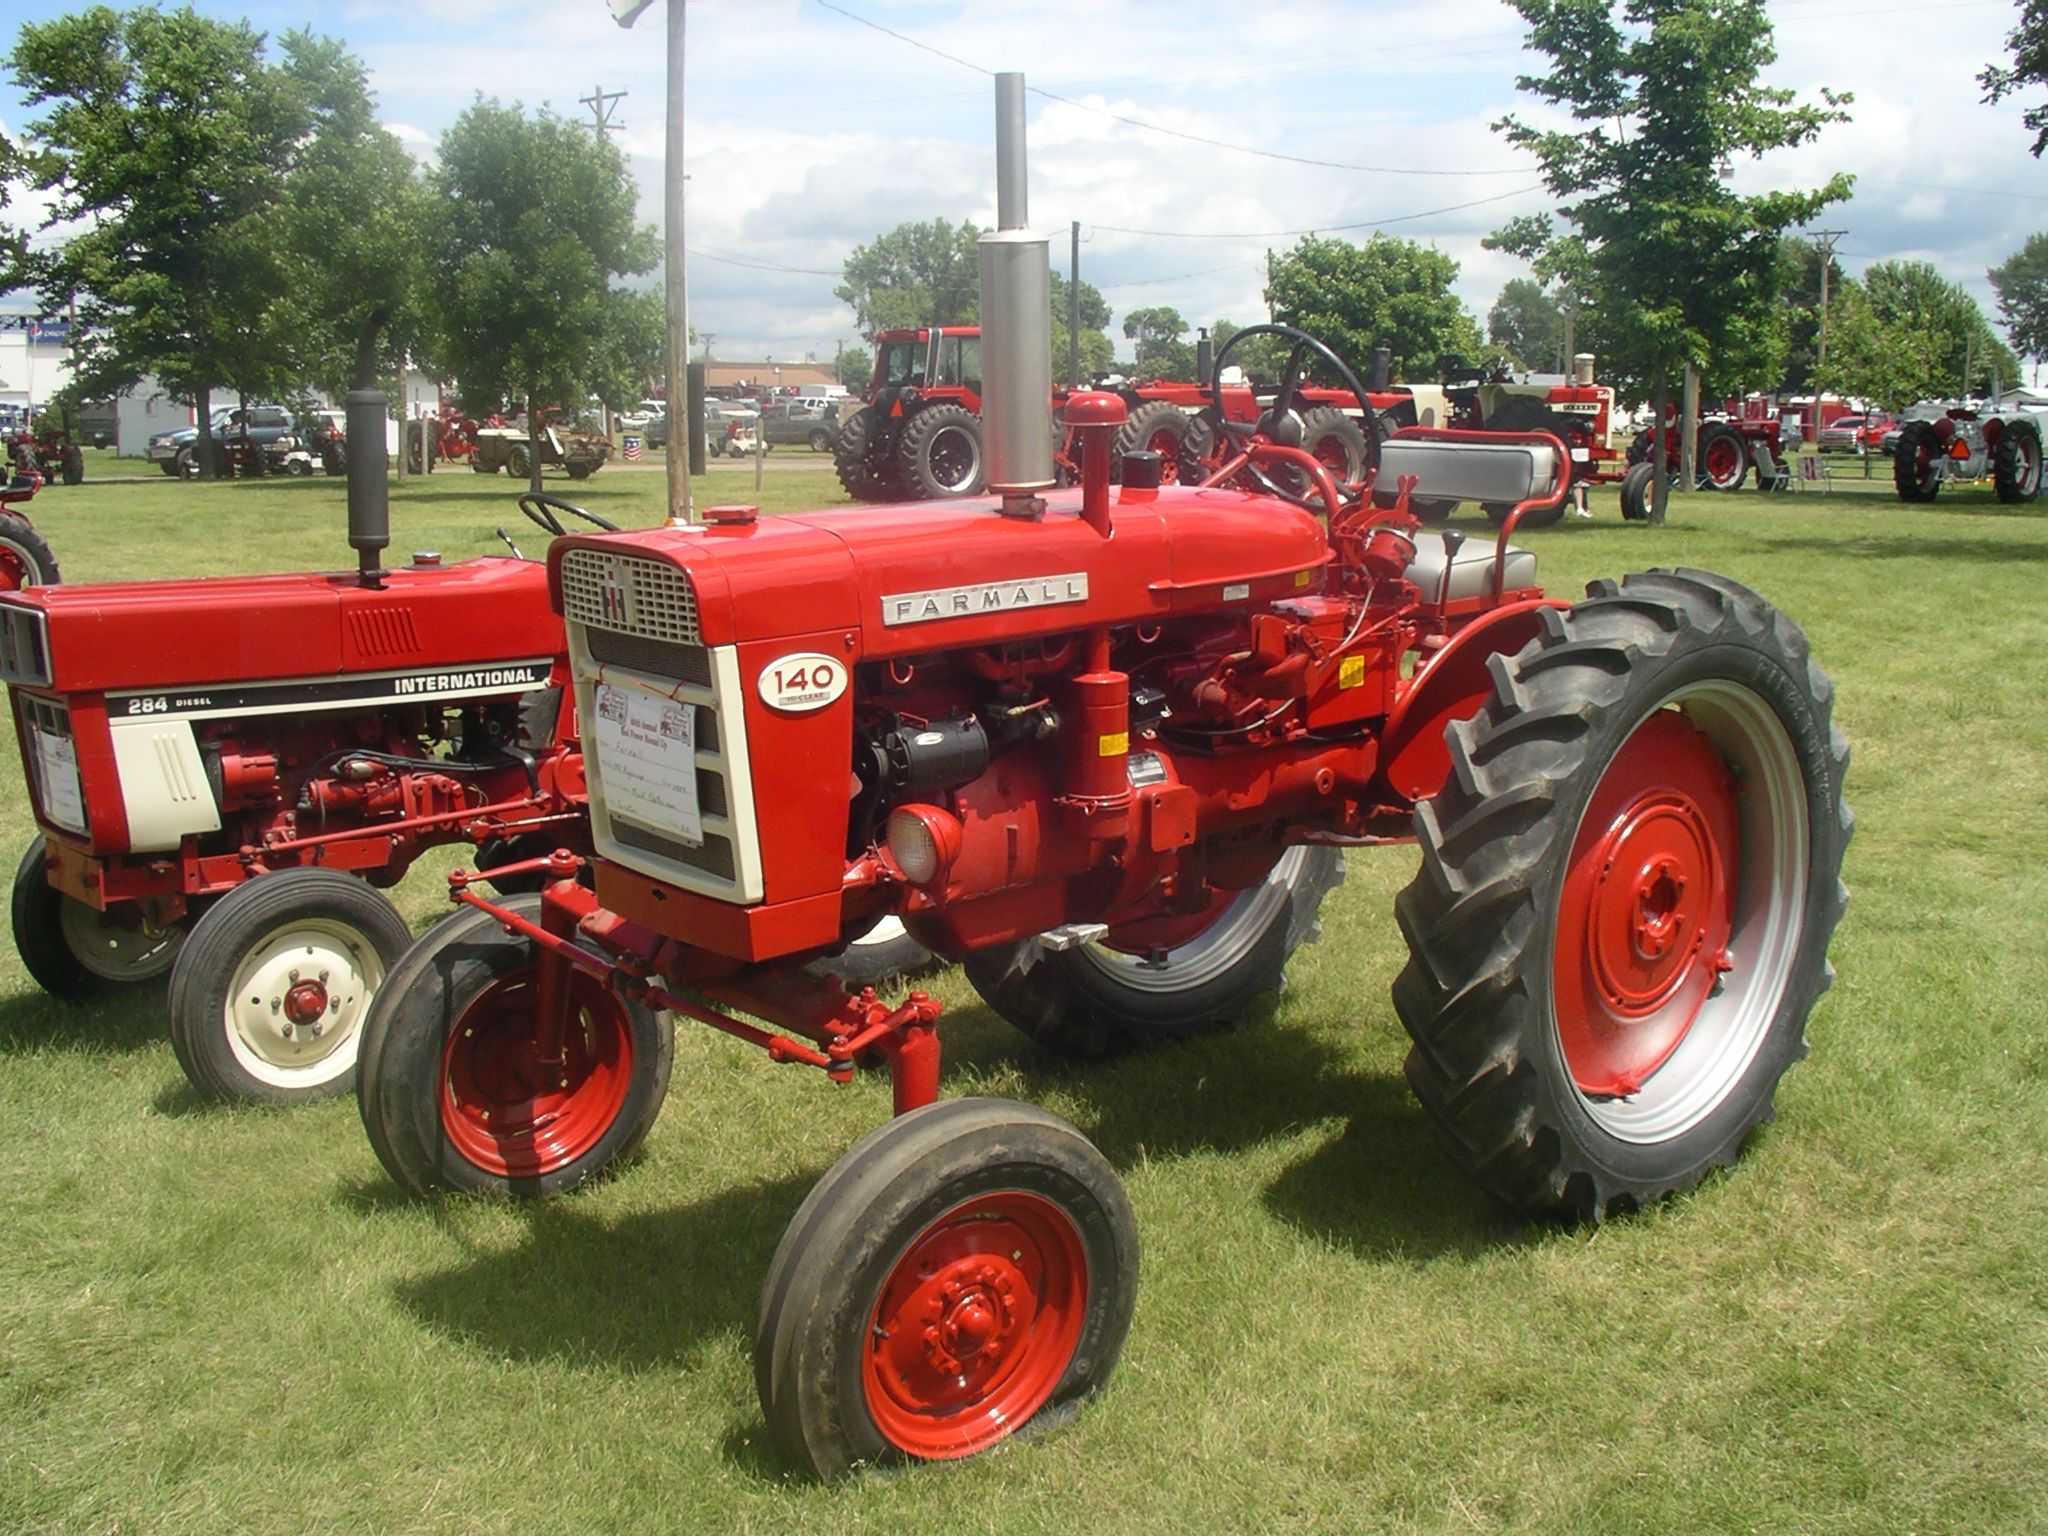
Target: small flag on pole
{"points": [[632, 448]]}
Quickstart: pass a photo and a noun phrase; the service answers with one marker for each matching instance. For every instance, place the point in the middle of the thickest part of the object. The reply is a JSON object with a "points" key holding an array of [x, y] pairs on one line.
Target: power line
{"points": [[600, 101], [1178, 277], [1171, 133], [1276, 234], [757, 264]]}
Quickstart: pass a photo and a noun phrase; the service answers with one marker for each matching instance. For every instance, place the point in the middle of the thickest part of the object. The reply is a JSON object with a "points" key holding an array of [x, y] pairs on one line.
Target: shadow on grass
{"points": [[637, 1292], [128, 1020]]}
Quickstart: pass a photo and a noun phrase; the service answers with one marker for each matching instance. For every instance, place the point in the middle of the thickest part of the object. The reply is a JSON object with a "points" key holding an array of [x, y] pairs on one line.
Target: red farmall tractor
{"points": [[1107, 749], [225, 771], [26, 559]]}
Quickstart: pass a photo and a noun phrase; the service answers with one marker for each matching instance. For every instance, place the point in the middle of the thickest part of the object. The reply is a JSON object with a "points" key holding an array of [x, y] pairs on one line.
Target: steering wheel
{"points": [[1280, 423], [539, 507]]}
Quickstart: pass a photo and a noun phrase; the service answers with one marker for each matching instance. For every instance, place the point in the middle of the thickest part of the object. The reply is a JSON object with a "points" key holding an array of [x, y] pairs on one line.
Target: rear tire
{"points": [[1161, 427], [1096, 999], [76, 952], [269, 994], [965, 1272], [885, 953], [1916, 463], [448, 1087], [861, 461], [1613, 953], [2016, 462], [1638, 489], [1724, 458], [26, 559], [74, 464], [938, 454]]}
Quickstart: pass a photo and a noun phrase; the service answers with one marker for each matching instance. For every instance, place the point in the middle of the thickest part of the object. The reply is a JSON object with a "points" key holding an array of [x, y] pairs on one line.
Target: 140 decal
{"points": [[802, 681]]}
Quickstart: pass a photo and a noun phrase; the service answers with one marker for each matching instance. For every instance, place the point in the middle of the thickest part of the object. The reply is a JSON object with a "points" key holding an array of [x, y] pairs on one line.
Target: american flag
{"points": [[632, 449]]}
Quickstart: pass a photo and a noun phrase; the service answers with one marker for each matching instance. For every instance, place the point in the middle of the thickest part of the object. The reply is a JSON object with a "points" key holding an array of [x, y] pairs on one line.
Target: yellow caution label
{"points": [[1114, 744], [1303, 578], [1351, 672]]}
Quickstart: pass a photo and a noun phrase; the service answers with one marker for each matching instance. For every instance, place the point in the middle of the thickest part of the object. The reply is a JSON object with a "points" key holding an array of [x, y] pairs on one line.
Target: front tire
{"points": [[76, 952], [1724, 459], [269, 995], [2016, 462], [1916, 463], [1166, 979], [964, 1272], [73, 462], [1640, 489], [452, 1095], [1628, 886]]}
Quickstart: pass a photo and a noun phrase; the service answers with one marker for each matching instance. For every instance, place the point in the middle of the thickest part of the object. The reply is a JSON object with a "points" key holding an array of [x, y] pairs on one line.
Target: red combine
{"points": [[1106, 748], [224, 771]]}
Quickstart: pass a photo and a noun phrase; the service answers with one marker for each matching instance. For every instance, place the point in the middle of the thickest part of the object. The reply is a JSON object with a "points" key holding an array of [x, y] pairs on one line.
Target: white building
{"points": [[35, 362]]}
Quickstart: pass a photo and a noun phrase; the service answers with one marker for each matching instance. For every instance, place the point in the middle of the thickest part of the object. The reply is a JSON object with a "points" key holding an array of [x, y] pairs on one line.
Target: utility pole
{"points": [[1824, 240], [600, 101], [1074, 306]]}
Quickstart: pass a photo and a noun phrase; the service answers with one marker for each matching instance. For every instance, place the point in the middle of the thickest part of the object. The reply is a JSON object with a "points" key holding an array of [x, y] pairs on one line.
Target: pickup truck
{"points": [[810, 421], [173, 452]]}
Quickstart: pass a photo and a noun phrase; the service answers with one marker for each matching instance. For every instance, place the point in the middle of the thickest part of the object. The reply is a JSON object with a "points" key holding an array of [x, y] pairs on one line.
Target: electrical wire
{"points": [[1274, 234], [1171, 133]]}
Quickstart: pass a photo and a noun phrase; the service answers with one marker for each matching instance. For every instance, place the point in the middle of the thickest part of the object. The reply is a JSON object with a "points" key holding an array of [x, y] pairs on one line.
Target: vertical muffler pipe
{"points": [[369, 497], [1016, 326]]}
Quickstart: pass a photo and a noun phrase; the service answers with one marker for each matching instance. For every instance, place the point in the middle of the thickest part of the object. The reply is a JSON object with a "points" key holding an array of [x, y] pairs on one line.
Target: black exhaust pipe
{"points": [[369, 497]]}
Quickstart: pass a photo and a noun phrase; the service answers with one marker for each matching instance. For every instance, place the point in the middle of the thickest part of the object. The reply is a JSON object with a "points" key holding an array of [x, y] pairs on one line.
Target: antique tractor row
{"points": [[1939, 444]]}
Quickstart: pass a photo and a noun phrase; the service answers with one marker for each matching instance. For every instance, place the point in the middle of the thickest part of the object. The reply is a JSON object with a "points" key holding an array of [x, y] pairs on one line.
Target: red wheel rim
{"points": [[13, 569], [515, 1116], [1166, 443], [1722, 461], [1647, 907], [976, 1325]]}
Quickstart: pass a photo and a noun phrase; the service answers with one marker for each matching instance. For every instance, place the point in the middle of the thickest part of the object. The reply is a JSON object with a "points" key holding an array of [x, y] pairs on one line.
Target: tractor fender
{"points": [[1451, 685]]}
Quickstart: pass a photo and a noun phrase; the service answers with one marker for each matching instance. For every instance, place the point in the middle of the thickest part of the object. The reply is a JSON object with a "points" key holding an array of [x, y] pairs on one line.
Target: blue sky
{"points": [[809, 132]]}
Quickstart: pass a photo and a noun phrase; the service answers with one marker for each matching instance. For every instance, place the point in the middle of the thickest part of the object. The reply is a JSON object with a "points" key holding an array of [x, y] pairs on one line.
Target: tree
{"points": [[1967, 355], [1355, 297], [1160, 352], [916, 274], [534, 218], [14, 264], [1261, 358], [1097, 355], [168, 138], [1888, 365], [854, 367], [2028, 43], [1799, 309], [1526, 323], [1664, 94], [2021, 283]]}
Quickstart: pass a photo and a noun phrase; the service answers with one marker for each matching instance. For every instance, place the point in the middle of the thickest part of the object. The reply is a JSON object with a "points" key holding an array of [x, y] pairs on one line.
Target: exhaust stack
{"points": [[1016, 326], [369, 498]]}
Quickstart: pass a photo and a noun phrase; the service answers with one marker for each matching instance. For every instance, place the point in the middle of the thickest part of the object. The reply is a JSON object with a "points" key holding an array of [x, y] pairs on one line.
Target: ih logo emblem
{"points": [[613, 595]]}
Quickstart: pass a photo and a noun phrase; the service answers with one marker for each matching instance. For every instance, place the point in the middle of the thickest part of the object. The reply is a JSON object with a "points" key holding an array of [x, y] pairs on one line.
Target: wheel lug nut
{"points": [[295, 975]]}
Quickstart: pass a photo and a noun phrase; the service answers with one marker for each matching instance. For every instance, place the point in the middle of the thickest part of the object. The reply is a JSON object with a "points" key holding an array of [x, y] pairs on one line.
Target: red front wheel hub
{"points": [[516, 1115], [976, 1325], [1647, 906]]}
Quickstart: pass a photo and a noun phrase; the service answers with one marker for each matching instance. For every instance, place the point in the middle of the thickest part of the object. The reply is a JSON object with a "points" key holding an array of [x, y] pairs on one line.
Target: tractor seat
{"points": [[1471, 568], [1503, 473]]}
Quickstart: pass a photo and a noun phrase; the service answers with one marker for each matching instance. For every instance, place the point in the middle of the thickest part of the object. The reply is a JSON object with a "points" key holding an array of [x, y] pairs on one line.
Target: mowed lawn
{"points": [[225, 1320]]}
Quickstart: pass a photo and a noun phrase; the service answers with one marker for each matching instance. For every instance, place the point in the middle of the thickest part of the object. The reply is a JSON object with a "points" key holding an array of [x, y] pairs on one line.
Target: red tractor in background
{"points": [[1750, 433], [1107, 749], [56, 455]]}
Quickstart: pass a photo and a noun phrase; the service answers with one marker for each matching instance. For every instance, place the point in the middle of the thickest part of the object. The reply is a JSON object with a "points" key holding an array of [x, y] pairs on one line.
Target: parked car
{"points": [[176, 452], [810, 421], [1857, 433]]}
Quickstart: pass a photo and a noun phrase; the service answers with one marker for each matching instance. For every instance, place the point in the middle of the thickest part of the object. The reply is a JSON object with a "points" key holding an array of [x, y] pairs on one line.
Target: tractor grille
{"points": [[632, 625], [630, 594], [53, 762], [24, 646]]}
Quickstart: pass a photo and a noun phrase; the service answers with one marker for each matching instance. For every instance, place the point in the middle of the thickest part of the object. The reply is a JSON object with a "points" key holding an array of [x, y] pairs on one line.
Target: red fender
{"points": [[1451, 686]]}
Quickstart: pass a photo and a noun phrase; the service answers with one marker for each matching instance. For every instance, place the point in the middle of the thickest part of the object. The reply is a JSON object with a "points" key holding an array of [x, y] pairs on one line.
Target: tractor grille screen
{"points": [[713, 858], [657, 658], [629, 594], [24, 653]]}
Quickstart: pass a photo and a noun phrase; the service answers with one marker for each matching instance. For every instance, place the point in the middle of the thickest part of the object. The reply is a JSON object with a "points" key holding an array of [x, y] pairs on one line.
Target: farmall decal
{"points": [[986, 597]]}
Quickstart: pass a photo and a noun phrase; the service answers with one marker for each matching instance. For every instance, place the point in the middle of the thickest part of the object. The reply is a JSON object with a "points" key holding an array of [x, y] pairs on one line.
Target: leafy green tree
{"points": [[2021, 283], [1097, 355], [1799, 295], [1968, 357], [1663, 94], [1527, 324], [855, 367], [15, 271], [1160, 353], [916, 274], [1890, 365], [534, 219], [2028, 43], [167, 141], [1355, 297]]}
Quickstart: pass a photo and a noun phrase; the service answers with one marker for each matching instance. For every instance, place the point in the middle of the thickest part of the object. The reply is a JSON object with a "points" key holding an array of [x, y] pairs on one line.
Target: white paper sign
{"points": [[63, 802], [647, 760]]}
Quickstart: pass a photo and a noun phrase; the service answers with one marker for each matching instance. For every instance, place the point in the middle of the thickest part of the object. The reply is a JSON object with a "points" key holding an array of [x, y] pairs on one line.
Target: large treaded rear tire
{"points": [[938, 454], [1093, 1000], [2016, 463], [26, 559], [1520, 890], [1161, 427], [860, 460], [1724, 458], [1916, 463]]}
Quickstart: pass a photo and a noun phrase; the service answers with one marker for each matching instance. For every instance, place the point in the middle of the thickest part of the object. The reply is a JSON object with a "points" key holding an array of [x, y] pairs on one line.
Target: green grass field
{"points": [[227, 1320]]}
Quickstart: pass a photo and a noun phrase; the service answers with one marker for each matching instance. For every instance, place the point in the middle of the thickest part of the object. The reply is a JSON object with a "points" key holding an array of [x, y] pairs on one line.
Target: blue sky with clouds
{"points": [[809, 132]]}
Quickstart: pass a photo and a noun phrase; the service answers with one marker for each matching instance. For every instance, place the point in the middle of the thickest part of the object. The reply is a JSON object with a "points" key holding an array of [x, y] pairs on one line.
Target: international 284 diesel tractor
{"points": [[1107, 748]]}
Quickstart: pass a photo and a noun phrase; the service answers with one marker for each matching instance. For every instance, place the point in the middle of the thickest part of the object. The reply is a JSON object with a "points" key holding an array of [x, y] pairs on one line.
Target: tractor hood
{"points": [[930, 575], [164, 634]]}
